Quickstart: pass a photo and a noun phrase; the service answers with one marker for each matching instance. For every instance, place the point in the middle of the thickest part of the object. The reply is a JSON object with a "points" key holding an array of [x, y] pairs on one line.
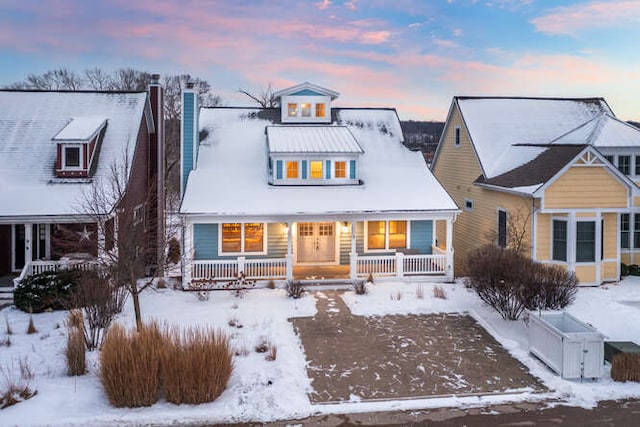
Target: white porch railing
{"points": [[255, 269], [401, 265], [37, 267]]}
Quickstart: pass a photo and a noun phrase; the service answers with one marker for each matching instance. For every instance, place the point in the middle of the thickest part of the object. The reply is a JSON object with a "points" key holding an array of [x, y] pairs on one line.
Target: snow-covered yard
{"points": [[262, 390]]}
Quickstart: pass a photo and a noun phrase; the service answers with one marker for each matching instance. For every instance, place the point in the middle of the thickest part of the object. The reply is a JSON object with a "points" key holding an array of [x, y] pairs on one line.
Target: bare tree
{"points": [[264, 98], [97, 79], [518, 231], [130, 80]]}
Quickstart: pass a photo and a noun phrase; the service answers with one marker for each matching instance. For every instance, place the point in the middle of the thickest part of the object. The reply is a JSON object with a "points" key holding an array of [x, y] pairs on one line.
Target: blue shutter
{"points": [[304, 169], [328, 168], [352, 169], [278, 169]]}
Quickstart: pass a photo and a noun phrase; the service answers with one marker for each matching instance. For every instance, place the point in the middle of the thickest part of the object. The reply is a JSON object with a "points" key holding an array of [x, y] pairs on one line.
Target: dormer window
{"points": [[306, 103], [77, 144], [312, 155]]}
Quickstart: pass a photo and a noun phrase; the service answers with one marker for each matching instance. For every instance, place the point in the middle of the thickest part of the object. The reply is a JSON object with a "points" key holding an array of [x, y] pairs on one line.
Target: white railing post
{"points": [[399, 264], [289, 268], [241, 261], [449, 261], [187, 252]]}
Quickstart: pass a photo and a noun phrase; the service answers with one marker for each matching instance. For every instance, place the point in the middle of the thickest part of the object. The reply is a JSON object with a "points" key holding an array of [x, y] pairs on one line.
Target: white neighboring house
{"points": [[306, 191], [54, 146]]}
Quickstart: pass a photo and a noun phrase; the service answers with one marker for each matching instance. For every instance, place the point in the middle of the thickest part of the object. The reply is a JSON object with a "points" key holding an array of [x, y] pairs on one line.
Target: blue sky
{"points": [[409, 54]]}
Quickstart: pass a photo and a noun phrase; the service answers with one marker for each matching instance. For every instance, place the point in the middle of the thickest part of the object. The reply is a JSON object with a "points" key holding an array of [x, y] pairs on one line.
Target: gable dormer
{"points": [[77, 145], [306, 103]]}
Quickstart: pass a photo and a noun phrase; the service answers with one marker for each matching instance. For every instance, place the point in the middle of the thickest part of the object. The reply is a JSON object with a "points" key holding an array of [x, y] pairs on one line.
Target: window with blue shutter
{"points": [[278, 169], [328, 169], [304, 169], [352, 169]]}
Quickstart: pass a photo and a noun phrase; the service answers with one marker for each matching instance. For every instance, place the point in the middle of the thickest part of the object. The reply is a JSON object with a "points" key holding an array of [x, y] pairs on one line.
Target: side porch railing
{"points": [[401, 265], [253, 269], [37, 267]]}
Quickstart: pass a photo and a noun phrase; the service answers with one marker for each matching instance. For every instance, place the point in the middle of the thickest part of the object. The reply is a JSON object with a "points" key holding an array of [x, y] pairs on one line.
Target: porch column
{"points": [[399, 264], [187, 253], [353, 255], [449, 250], [289, 269], [28, 243], [599, 244], [101, 239]]}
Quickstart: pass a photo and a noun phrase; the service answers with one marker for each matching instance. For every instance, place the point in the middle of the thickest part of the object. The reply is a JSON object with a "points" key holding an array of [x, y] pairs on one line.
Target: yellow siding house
{"points": [[553, 178]]}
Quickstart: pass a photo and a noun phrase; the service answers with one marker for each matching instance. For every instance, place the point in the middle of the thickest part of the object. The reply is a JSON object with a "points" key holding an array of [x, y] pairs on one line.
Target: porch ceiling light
{"points": [[285, 227], [345, 226]]}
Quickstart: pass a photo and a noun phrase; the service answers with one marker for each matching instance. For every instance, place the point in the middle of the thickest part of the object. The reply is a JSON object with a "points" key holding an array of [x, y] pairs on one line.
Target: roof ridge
{"points": [[73, 91]]}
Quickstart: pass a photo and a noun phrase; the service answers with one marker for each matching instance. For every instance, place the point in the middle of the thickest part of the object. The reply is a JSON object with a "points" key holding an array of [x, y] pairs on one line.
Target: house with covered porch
{"points": [[55, 148], [307, 191]]}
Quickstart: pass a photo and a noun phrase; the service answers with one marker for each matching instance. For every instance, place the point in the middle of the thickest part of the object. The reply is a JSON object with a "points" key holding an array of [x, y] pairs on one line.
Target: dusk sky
{"points": [[409, 54]]}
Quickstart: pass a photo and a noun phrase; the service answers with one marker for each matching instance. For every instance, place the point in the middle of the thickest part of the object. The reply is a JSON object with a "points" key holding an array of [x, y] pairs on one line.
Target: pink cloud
{"points": [[324, 4], [570, 20]]}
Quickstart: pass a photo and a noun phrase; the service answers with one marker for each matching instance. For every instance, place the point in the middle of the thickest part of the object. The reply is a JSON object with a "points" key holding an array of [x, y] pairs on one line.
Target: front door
{"points": [[316, 242], [39, 243]]}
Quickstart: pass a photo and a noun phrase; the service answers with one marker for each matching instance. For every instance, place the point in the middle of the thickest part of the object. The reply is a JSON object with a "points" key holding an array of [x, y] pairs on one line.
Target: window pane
{"points": [[316, 169], [457, 142], [292, 109], [375, 234], [624, 164], [559, 240], [397, 234], [306, 110], [231, 238], [585, 241], [624, 231], [292, 170], [636, 231], [341, 169], [253, 237], [610, 158], [637, 165], [319, 110], [72, 156], [502, 229]]}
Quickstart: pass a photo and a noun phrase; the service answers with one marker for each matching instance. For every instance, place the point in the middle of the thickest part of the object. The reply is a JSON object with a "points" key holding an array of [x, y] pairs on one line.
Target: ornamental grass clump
{"points": [[196, 365], [130, 365]]}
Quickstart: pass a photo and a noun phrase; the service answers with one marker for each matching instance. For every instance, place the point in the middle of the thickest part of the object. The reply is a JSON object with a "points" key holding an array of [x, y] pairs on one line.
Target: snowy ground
{"points": [[261, 390]]}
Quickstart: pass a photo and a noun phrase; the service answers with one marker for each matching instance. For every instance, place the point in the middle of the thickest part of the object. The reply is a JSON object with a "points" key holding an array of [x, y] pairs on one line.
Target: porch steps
{"points": [[6, 296]]}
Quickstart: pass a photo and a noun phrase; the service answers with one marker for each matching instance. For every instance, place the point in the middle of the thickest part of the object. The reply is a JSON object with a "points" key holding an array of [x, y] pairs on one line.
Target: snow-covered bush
{"points": [[47, 290]]}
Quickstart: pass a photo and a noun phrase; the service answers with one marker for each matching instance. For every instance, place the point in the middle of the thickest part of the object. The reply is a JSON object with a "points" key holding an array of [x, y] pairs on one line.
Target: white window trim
{"points": [[386, 237], [466, 208], [64, 157], [242, 251], [596, 242]]}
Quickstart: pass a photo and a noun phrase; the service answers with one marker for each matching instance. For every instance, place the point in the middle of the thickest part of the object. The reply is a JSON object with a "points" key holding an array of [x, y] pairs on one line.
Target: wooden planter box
{"points": [[568, 346]]}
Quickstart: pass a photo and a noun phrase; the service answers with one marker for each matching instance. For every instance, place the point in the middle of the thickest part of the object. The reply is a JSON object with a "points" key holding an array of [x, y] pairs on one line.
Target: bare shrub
{"points": [[370, 278], [31, 329], [438, 292], [75, 319], [5, 342], [359, 286], [75, 352], [14, 390], [396, 296], [295, 289], [271, 284], [173, 251], [8, 328], [196, 365], [201, 289], [262, 346], [241, 349], [510, 282], [419, 292], [272, 353], [235, 323], [130, 365], [101, 302], [625, 367]]}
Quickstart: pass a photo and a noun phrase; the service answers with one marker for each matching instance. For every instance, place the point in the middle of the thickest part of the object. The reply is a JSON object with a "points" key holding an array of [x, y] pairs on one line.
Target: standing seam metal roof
{"points": [[311, 139]]}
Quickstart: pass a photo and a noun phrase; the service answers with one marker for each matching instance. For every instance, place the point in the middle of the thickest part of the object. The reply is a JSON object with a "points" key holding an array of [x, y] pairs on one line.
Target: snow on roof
{"points": [[81, 128], [231, 174], [311, 139], [495, 124], [29, 121], [604, 130]]}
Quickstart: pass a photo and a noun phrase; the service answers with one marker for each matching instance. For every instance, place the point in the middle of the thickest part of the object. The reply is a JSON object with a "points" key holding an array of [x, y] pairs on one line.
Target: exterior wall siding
{"points": [[586, 273], [585, 187], [276, 241], [422, 236], [543, 240], [456, 168], [205, 241]]}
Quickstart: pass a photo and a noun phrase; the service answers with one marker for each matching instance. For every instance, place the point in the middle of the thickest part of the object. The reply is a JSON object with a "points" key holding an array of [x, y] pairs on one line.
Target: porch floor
{"points": [[321, 272]]}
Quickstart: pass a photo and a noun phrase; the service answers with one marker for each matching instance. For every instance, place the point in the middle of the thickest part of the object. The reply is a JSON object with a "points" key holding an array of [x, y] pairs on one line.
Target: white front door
{"points": [[316, 241]]}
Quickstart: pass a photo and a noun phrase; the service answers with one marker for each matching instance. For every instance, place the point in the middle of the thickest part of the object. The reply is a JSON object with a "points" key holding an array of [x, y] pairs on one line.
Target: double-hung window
{"points": [[242, 238], [624, 231], [585, 241], [559, 248], [386, 235], [636, 231], [292, 170], [624, 164]]}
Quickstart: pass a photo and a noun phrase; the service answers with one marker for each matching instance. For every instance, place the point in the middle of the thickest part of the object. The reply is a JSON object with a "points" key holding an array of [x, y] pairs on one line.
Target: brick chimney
{"points": [[156, 163]]}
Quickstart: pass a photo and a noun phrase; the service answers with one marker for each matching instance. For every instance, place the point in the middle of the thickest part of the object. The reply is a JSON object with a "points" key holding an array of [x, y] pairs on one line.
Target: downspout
{"points": [[534, 221]]}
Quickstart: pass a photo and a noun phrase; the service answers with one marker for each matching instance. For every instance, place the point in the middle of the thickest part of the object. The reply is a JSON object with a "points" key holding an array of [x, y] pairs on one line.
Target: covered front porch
{"points": [[316, 250]]}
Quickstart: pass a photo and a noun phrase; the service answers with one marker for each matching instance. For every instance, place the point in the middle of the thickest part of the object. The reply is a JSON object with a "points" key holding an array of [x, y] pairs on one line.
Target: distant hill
{"points": [[421, 135]]}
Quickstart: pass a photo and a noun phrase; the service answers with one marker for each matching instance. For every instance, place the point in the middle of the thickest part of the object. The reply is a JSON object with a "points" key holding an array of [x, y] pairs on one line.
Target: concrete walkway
{"points": [[391, 357]]}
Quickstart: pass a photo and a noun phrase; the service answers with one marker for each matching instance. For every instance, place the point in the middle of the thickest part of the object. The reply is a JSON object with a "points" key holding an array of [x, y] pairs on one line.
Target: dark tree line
{"points": [[421, 135]]}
